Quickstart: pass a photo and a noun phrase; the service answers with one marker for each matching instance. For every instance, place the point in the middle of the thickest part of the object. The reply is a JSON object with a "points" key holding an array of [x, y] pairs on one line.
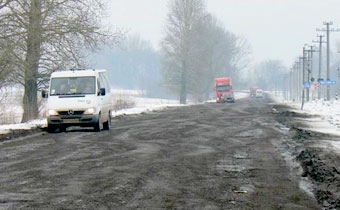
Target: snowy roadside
{"points": [[326, 120], [326, 114], [142, 105]]}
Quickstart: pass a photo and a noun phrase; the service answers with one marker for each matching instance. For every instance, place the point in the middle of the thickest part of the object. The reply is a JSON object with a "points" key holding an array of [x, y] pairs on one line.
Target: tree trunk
{"points": [[30, 105], [183, 91]]}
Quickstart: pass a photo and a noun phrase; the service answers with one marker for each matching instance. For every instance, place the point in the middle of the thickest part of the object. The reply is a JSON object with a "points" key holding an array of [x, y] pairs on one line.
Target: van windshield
{"points": [[72, 85], [223, 88]]}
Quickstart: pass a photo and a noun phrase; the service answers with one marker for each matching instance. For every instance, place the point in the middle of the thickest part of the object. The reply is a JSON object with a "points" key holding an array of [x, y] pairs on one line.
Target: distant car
{"points": [[253, 90], [259, 93]]}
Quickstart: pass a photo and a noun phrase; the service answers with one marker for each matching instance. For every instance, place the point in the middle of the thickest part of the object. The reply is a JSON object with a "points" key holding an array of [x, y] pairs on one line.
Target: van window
{"points": [[104, 81], [72, 85]]}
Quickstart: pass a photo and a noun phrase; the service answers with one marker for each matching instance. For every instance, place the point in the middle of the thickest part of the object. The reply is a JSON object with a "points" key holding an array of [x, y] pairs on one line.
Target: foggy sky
{"points": [[276, 29]]}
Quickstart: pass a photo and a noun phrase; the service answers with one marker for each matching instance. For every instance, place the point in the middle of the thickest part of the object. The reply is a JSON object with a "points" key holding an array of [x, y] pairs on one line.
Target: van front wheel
{"points": [[97, 125], [51, 128], [106, 125]]}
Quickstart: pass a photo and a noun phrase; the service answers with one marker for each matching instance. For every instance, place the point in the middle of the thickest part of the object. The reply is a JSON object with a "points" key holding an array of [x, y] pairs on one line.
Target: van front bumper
{"points": [[83, 120]]}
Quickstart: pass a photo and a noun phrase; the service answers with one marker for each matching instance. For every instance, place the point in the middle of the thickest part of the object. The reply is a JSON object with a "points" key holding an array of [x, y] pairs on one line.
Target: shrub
{"points": [[122, 101]]}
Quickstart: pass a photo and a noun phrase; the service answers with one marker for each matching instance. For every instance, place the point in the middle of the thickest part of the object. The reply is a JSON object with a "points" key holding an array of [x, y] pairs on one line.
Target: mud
{"points": [[319, 161], [17, 133], [208, 156]]}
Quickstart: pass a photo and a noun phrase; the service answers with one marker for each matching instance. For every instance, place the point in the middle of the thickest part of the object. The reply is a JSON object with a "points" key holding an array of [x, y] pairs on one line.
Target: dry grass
{"points": [[122, 101]]}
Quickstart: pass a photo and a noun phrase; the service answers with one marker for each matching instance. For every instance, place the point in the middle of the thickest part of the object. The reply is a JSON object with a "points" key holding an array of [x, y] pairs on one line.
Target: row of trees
{"points": [[39, 36], [197, 48], [269, 75]]}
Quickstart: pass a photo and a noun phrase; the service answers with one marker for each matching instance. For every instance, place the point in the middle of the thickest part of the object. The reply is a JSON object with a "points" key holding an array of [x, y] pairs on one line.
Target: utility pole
{"points": [[328, 51], [320, 63], [310, 69], [298, 80], [303, 58], [290, 85]]}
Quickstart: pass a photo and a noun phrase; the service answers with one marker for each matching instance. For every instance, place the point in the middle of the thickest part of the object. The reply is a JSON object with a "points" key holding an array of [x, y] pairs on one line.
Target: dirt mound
{"points": [[325, 177]]}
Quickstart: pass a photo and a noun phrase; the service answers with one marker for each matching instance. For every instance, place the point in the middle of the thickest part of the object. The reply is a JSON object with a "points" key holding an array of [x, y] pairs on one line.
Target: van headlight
{"points": [[90, 111], [52, 112]]}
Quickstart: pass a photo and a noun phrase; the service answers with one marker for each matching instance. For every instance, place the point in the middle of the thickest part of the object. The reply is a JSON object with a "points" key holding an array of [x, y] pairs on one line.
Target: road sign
{"points": [[306, 84], [316, 86], [327, 82]]}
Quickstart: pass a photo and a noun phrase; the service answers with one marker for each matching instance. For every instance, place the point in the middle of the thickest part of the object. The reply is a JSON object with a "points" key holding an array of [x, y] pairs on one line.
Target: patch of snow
{"points": [[23, 126], [327, 113], [325, 117], [146, 105], [141, 105]]}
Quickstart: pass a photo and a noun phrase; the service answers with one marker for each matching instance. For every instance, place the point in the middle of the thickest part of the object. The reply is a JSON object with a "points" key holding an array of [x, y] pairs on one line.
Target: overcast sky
{"points": [[276, 29]]}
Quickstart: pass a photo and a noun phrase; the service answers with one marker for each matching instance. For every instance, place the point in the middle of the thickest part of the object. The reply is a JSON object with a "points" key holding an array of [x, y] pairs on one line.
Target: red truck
{"points": [[224, 90]]}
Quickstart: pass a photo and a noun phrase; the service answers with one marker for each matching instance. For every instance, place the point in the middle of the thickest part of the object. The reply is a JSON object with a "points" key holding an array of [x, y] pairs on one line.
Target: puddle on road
{"points": [[230, 168], [236, 164], [200, 149], [255, 133], [241, 156]]}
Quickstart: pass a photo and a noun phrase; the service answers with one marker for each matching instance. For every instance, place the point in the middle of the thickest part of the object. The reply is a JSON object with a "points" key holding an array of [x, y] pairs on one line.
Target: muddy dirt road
{"points": [[208, 156]]}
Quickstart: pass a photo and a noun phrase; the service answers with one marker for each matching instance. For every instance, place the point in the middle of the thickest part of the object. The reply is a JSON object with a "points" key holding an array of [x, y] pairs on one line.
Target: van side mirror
{"points": [[102, 92], [44, 94]]}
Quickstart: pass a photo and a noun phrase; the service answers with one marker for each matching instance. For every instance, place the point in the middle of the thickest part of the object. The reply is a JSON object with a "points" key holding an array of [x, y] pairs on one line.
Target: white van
{"points": [[79, 97]]}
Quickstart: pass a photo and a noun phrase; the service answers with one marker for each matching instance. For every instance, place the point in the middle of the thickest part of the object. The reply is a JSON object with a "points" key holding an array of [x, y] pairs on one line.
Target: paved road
{"points": [[208, 156]]}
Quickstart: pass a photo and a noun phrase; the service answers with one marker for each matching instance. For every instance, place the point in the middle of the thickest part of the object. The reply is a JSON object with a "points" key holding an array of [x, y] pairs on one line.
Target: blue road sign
{"points": [[327, 82], [306, 84]]}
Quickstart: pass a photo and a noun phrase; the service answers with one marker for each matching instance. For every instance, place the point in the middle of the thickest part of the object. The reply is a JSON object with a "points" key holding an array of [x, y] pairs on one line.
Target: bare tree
{"points": [[266, 75], [5, 58], [215, 54], [177, 44], [5, 64], [198, 48], [4, 3], [48, 35]]}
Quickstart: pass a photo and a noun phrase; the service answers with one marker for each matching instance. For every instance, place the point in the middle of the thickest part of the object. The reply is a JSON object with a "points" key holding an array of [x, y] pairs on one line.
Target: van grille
{"points": [[66, 113]]}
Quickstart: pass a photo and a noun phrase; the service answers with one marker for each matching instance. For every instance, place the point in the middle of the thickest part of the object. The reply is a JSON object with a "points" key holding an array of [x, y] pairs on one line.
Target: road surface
{"points": [[207, 156]]}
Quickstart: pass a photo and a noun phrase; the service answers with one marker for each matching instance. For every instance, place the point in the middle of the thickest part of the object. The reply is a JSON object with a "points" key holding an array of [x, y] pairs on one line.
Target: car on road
{"points": [[78, 97], [259, 93]]}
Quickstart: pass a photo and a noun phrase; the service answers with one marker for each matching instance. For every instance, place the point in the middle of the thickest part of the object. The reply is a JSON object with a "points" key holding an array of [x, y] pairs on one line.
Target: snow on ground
{"points": [[142, 105], [327, 113], [326, 119], [146, 105]]}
